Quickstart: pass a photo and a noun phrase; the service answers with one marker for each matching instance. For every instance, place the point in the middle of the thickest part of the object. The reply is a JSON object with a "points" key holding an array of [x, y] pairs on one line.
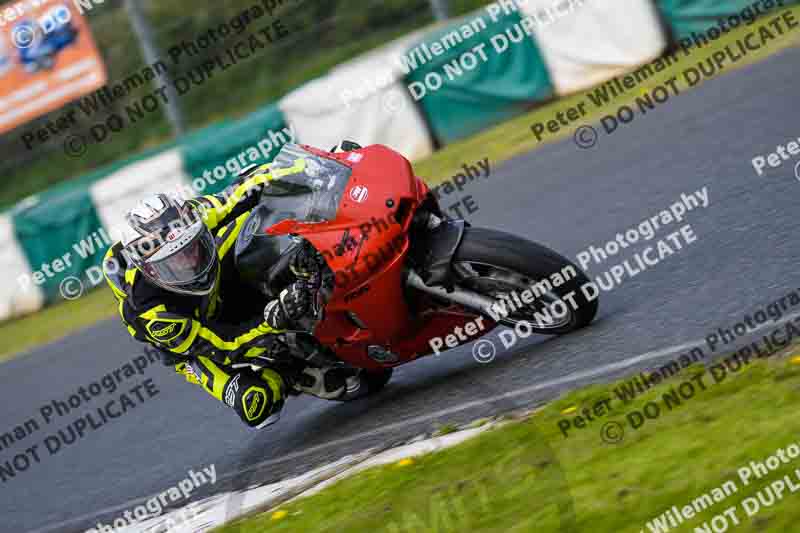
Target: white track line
{"points": [[570, 378]]}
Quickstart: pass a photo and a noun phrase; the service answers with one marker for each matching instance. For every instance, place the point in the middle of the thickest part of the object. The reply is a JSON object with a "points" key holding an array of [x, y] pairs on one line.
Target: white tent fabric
{"points": [[587, 42], [18, 296], [364, 101], [117, 193]]}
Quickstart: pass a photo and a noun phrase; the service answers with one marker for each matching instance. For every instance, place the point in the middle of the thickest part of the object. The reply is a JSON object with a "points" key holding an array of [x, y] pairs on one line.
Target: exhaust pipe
{"points": [[473, 300]]}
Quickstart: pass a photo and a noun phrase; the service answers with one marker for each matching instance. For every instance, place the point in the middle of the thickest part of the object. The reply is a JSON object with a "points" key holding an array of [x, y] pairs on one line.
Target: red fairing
{"points": [[366, 247]]}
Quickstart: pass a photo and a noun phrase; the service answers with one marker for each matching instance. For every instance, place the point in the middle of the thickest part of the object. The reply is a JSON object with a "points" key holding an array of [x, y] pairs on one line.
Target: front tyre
{"points": [[506, 268]]}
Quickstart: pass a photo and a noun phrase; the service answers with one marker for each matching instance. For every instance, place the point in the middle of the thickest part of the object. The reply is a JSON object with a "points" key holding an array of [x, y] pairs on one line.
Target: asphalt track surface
{"points": [[565, 197]]}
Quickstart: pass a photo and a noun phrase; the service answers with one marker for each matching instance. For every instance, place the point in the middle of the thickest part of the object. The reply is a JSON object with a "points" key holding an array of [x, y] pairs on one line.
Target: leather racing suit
{"points": [[203, 335]]}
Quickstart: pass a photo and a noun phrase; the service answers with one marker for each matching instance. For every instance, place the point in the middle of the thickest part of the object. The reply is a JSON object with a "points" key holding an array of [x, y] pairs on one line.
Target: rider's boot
{"points": [[332, 383]]}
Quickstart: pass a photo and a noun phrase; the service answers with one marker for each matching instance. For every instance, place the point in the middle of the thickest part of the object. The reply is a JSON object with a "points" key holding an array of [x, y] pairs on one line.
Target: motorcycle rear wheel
{"points": [[498, 264]]}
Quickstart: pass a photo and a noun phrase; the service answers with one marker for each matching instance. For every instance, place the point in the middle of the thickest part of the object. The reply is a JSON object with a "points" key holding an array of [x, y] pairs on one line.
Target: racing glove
{"points": [[306, 262], [292, 304]]}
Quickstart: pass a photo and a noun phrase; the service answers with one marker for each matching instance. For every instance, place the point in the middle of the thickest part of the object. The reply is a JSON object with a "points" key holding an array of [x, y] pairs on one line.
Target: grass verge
{"points": [[526, 476], [498, 144], [55, 322]]}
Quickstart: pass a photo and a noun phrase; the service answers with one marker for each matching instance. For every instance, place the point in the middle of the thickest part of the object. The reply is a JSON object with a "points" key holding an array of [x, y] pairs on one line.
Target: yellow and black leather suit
{"points": [[205, 334]]}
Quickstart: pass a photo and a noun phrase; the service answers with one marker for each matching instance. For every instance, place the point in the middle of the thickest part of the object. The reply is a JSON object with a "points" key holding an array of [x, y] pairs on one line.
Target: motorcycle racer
{"points": [[175, 279]]}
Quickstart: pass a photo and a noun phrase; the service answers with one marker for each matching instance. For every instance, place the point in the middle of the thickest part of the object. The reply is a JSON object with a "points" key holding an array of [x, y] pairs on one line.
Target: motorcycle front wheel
{"points": [[528, 281]]}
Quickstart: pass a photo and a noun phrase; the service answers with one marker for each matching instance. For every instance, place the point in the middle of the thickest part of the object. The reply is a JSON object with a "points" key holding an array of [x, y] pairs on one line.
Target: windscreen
{"points": [[305, 187]]}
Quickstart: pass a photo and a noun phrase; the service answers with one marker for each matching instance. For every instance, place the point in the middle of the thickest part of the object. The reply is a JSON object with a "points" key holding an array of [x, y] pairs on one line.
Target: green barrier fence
{"points": [[218, 153], [468, 75], [477, 80], [59, 230], [685, 17]]}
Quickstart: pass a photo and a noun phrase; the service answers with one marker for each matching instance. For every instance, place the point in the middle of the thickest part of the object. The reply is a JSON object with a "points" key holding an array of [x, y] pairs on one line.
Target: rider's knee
{"points": [[256, 397]]}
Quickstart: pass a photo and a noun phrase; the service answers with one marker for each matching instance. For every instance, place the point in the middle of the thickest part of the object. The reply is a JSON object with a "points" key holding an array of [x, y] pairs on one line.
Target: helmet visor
{"points": [[185, 262]]}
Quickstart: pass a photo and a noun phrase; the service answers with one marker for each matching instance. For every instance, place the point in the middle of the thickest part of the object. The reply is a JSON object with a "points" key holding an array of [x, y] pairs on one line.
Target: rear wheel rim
{"points": [[499, 284]]}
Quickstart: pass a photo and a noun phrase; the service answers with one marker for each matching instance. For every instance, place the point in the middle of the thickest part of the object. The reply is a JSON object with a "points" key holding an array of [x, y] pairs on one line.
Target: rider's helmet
{"points": [[167, 240]]}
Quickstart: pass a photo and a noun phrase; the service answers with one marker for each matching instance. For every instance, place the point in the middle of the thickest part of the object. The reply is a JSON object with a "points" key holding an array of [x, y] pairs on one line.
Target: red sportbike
{"points": [[398, 279]]}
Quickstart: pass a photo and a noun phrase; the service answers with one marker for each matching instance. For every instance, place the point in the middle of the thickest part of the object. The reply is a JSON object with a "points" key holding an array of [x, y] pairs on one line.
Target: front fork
{"points": [[436, 241], [469, 299]]}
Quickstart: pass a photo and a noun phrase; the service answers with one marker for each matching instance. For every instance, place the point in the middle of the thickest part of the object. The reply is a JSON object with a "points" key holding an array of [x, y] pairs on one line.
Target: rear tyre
{"points": [[498, 264]]}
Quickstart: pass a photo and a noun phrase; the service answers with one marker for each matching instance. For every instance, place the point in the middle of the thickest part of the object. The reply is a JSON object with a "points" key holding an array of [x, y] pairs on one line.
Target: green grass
{"points": [[55, 322], [526, 476], [498, 144]]}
